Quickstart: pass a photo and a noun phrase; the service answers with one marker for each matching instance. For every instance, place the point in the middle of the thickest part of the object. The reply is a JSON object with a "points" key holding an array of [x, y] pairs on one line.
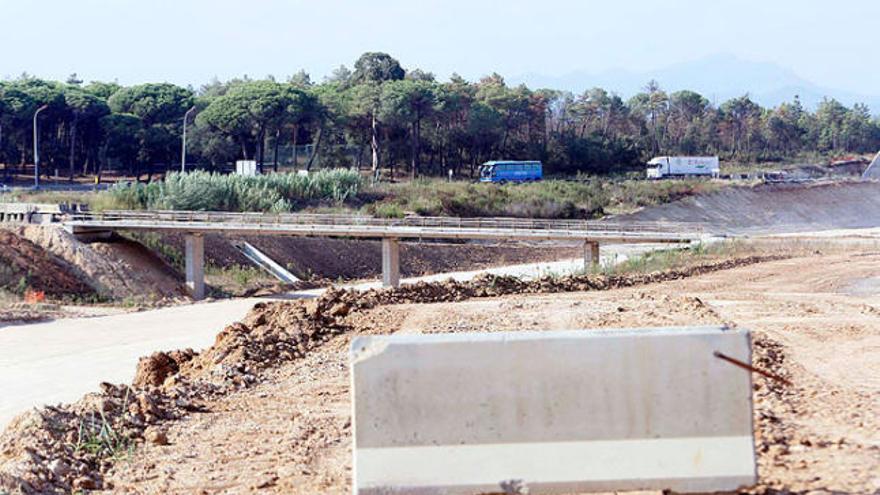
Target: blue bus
{"points": [[511, 171]]}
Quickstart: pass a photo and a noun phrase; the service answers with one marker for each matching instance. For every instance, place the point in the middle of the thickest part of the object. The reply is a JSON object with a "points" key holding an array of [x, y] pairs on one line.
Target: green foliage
{"points": [[667, 259], [399, 120], [220, 192], [12, 281], [97, 437], [388, 210], [376, 67], [154, 103], [547, 199], [251, 110]]}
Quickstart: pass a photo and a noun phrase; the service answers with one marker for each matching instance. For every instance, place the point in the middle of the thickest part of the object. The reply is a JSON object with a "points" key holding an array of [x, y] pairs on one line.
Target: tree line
{"points": [[402, 121]]}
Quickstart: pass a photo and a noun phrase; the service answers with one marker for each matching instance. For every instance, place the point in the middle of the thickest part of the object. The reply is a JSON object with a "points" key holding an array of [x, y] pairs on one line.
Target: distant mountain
{"points": [[718, 78]]}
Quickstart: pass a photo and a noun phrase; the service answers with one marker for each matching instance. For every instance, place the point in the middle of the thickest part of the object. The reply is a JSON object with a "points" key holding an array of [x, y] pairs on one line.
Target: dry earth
{"points": [[816, 321]]}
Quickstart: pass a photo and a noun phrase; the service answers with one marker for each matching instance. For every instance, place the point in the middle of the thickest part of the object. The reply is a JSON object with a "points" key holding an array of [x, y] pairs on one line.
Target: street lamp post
{"points": [[37, 148], [183, 147]]}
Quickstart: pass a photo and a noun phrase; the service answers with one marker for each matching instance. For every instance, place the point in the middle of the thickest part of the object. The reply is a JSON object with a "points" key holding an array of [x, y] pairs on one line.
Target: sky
{"points": [[189, 42]]}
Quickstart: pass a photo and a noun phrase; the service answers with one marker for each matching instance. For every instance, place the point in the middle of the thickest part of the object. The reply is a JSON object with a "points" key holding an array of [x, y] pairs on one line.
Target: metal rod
{"points": [[748, 367]]}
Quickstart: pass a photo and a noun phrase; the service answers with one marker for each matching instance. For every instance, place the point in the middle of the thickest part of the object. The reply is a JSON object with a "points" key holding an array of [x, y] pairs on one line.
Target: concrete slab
{"points": [[552, 412], [59, 361]]}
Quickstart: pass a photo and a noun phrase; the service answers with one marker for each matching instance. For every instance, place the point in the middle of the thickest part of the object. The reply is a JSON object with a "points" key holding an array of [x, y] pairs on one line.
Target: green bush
{"points": [[221, 192], [387, 210]]}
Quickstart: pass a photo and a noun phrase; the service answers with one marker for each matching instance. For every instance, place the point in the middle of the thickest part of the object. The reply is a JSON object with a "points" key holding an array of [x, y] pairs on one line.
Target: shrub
{"points": [[212, 191]]}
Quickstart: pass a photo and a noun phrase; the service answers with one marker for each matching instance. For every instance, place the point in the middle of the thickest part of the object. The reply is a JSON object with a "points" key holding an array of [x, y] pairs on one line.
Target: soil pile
{"points": [[26, 265], [64, 449], [121, 269], [489, 285], [292, 433]]}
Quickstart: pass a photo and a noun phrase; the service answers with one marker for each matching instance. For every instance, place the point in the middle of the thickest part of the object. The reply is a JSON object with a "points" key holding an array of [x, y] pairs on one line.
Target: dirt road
{"points": [[816, 319]]}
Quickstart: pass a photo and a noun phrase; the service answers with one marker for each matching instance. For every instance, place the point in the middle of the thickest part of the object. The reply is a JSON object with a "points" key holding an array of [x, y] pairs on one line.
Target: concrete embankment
{"points": [[776, 208]]}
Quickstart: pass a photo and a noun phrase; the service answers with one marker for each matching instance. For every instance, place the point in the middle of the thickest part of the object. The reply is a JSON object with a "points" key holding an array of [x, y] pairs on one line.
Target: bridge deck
{"points": [[194, 224], [361, 226]]}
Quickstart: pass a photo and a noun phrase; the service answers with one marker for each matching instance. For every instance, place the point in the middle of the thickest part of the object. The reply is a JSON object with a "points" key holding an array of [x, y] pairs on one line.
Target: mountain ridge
{"points": [[717, 77]]}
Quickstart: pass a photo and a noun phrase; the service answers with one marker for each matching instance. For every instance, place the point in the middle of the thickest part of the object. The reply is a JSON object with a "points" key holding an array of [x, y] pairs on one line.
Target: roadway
{"points": [[59, 361]]}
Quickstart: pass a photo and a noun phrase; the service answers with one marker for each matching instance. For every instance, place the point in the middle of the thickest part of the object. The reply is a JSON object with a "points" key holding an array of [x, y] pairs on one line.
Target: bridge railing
{"points": [[485, 223]]}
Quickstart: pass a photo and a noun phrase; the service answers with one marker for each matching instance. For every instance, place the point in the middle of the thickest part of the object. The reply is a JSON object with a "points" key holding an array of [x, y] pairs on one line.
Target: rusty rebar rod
{"points": [[748, 367]]}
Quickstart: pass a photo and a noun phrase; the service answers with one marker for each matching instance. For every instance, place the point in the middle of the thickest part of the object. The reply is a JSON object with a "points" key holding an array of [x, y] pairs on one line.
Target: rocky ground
{"points": [[266, 409]]}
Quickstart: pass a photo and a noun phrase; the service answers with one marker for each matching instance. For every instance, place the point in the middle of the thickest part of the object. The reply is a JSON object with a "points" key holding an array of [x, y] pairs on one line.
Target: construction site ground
{"points": [[815, 318], [74, 354], [265, 409]]}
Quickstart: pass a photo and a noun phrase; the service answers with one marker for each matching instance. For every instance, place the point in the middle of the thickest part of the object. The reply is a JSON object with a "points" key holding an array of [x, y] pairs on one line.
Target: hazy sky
{"points": [[833, 43]]}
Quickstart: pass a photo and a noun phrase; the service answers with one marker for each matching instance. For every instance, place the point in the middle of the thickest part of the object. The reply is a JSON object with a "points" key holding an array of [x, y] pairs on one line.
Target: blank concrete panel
{"points": [[552, 412]]}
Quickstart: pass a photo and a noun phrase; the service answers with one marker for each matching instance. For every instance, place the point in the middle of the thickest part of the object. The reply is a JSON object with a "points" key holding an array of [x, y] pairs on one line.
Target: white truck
{"points": [[683, 166]]}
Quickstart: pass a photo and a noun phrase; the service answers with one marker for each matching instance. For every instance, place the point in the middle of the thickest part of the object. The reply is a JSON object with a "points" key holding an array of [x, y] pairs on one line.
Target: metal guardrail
{"points": [[493, 223]]}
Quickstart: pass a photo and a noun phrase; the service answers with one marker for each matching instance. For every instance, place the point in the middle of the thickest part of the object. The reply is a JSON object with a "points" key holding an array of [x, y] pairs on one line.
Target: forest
{"points": [[382, 117]]}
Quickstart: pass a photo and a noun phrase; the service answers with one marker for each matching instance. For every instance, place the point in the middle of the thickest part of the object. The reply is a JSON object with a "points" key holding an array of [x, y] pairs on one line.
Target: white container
{"points": [[246, 167]]}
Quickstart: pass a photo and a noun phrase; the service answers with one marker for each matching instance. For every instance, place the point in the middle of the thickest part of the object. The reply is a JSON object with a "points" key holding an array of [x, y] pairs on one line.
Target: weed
{"points": [[97, 437]]}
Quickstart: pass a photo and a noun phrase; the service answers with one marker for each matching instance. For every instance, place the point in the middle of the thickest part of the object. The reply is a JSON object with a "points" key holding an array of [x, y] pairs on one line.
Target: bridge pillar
{"points": [[390, 262], [591, 255], [195, 265]]}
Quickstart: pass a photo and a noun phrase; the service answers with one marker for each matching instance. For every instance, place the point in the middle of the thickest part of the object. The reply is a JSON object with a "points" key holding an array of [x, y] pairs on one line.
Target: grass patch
{"points": [[236, 280], [50, 197], [96, 436], [343, 191], [670, 259], [591, 198]]}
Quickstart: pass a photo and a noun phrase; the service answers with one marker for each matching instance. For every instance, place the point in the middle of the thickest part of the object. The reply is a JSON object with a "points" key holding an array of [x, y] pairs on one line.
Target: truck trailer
{"points": [[683, 166]]}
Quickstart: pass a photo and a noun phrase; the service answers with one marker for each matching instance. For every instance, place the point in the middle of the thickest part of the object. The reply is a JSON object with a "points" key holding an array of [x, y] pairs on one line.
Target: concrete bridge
{"points": [[196, 224]]}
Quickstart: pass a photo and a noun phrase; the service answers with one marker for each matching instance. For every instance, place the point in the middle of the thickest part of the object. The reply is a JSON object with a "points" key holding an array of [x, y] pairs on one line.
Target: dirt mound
{"points": [[120, 269], [64, 449], [775, 208], [292, 434], [154, 369], [489, 285], [26, 265]]}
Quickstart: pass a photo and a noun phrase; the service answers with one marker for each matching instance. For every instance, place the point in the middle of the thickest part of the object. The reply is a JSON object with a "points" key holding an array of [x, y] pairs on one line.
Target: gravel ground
{"points": [[291, 432]]}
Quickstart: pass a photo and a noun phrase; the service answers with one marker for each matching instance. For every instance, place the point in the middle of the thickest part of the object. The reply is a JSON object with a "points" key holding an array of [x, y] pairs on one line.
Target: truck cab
{"points": [[657, 167]]}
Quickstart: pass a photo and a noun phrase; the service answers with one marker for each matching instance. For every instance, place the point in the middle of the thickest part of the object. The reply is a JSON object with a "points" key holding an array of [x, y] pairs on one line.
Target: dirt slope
{"points": [[291, 434], [117, 270], [24, 263], [776, 208]]}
